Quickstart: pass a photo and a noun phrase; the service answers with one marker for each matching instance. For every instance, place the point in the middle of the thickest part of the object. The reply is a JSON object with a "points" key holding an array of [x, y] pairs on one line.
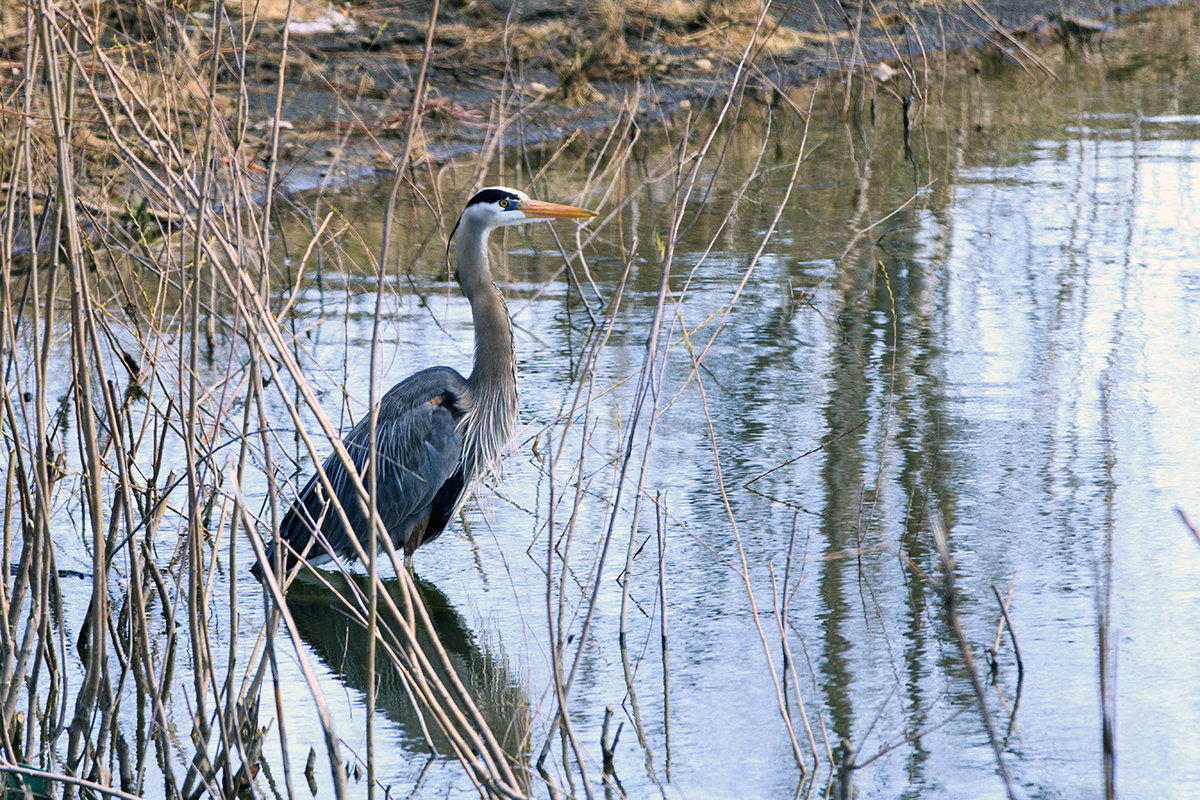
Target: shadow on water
{"points": [[340, 641]]}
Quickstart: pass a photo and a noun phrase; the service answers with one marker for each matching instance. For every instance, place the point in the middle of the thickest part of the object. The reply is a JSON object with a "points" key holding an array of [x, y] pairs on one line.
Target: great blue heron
{"points": [[436, 430]]}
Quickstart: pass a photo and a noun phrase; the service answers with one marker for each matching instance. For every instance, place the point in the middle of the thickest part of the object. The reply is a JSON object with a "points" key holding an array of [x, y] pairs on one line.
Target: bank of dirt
{"points": [[344, 79], [499, 72]]}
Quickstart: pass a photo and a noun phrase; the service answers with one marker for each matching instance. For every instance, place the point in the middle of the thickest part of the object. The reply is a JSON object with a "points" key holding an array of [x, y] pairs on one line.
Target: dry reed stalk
{"points": [[660, 536], [951, 598], [203, 237], [455, 710], [1187, 523], [213, 255], [1105, 634], [373, 448], [1006, 622], [697, 357], [556, 629], [781, 598], [562, 544], [66, 223], [687, 171], [578, 415]]}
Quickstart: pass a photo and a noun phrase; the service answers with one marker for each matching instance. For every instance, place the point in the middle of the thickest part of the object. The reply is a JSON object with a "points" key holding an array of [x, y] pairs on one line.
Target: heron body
{"points": [[436, 431]]}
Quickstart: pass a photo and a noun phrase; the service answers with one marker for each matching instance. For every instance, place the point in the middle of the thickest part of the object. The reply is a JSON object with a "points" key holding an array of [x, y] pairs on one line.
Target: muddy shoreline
{"points": [[499, 74]]}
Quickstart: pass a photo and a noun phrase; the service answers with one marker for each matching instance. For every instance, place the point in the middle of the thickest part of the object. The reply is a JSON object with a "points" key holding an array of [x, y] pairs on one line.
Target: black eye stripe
{"points": [[492, 196]]}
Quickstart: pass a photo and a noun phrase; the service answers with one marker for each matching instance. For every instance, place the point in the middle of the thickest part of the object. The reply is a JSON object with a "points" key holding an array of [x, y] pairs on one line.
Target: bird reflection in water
{"points": [[340, 641]]}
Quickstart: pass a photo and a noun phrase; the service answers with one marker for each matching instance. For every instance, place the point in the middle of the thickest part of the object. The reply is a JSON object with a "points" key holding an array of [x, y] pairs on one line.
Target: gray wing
{"points": [[420, 470]]}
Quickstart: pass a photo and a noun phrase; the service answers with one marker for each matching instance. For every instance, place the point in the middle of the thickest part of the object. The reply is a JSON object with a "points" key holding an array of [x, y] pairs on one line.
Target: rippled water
{"points": [[1012, 348]]}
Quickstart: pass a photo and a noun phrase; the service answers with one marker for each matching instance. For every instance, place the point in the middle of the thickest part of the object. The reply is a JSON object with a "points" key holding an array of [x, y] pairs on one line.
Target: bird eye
{"points": [[504, 204]]}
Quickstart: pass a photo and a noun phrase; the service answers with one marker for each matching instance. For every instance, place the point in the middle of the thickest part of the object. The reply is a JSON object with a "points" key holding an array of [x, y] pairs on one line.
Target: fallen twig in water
{"points": [[1012, 632], [950, 597]]}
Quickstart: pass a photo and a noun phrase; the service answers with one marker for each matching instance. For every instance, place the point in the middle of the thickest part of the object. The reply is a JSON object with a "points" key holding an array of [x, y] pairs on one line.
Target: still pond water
{"points": [[1013, 349]]}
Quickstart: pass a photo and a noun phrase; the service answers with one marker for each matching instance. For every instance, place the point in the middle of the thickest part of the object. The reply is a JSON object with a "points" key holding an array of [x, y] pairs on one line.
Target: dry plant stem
{"points": [[1187, 523], [255, 381], [581, 404], [644, 381], [35, 571], [950, 596], [651, 386], [744, 574], [1012, 632], [273, 151], [336, 768], [67, 224], [1106, 640], [680, 203], [450, 698], [71, 780], [373, 445], [242, 698], [695, 374], [140, 635], [562, 718], [237, 714], [660, 531], [627, 666], [191, 399], [779, 593], [158, 694], [31, 574], [389, 210], [155, 693], [1003, 601], [609, 750]]}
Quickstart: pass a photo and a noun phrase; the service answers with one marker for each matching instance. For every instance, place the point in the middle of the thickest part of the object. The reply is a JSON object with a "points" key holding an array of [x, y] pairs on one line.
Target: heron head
{"points": [[497, 206]]}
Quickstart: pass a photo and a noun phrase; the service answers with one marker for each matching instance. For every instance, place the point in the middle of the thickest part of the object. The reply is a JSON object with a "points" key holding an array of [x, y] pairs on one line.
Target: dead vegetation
{"points": [[148, 72], [148, 326]]}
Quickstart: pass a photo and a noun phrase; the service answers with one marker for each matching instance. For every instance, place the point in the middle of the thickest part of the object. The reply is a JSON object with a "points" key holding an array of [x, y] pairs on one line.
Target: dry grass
{"points": [[139, 240], [131, 181]]}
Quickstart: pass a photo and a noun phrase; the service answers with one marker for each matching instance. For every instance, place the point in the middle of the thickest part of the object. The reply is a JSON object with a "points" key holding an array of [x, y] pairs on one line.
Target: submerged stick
{"points": [[1187, 521], [950, 595], [1012, 632], [660, 513]]}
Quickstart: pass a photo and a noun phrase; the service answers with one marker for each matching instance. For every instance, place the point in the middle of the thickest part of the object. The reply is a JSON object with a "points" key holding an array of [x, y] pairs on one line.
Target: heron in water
{"points": [[436, 430]]}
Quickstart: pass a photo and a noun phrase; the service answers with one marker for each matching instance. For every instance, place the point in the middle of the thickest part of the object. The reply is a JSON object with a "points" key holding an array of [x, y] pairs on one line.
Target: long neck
{"points": [[493, 380]]}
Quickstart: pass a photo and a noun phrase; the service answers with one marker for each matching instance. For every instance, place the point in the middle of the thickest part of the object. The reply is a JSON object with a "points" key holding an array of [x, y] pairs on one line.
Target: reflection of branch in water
{"points": [[340, 641]]}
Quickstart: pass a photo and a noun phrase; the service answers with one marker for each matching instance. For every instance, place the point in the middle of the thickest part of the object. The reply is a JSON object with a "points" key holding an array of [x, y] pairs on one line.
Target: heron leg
{"points": [[412, 543]]}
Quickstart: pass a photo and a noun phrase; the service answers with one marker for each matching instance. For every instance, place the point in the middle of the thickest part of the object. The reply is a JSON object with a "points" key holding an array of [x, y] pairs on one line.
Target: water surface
{"points": [[1011, 350]]}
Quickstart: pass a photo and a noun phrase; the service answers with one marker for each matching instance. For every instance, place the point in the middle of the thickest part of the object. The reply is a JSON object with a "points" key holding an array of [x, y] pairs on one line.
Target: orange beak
{"points": [[540, 209]]}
